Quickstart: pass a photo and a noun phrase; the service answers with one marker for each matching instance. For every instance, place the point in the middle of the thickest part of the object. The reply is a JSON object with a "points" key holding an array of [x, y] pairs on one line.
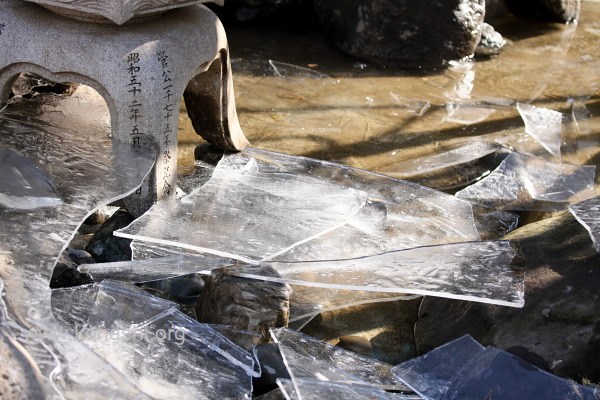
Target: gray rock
{"points": [[65, 273], [491, 43], [560, 321], [244, 304], [104, 247], [403, 31], [356, 344], [546, 10]]}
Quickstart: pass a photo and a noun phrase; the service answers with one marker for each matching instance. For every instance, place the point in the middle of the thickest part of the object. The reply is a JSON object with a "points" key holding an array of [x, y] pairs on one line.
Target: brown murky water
{"points": [[313, 100]]}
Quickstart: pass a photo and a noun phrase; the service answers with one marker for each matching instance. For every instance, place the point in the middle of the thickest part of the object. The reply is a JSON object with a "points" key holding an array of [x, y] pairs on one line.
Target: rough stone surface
{"points": [[244, 304], [491, 43], [546, 10], [388, 327], [560, 322], [141, 70], [402, 30], [104, 247]]}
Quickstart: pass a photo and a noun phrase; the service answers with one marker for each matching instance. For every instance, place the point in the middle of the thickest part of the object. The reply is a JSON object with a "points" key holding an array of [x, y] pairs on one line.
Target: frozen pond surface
{"points": [[510, 136]]}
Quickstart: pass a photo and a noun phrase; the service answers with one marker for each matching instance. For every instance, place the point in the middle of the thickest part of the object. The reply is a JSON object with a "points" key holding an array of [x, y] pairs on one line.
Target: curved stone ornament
{"points": [[141, 70], [116, 11]]}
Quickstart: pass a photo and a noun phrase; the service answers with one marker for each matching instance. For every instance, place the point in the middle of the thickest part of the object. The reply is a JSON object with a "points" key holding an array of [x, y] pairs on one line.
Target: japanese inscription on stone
{"points": [[168, 115], [134, 88]]}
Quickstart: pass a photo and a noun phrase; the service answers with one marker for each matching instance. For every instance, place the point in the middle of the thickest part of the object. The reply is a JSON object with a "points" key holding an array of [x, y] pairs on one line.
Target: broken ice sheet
{"points": [[418, 107], [309, 358], [23, 185], [165, 353], [262, 205], [543, 125], [493, 373], [153, 269], [88, 170], [429, 375], [310, 389], [467, 114], [524, 182], [295, 72], [474, 271], [450, 169], [587, 213]]}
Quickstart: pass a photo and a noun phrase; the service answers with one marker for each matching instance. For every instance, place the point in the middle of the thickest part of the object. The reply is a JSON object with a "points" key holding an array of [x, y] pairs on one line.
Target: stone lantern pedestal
{"points": [[141, 68]]}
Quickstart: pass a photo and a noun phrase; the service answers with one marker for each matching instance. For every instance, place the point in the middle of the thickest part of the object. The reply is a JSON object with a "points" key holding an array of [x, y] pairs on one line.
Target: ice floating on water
{"points": [[291, 71], [475, 271], [317, 390], [524, 182], [23, 186], [451, 169], [588, 214], [260, 205], [418, 107], [543, 125], [465, 370], [309, 358]]}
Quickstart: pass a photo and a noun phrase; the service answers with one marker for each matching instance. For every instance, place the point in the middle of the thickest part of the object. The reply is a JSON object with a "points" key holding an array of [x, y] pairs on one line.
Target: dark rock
{"points": [[491, 43], [531, 357], [495, 9], [245, 304], [104, 247], [403, 31], [100, 216], [257, 10], [271, 367], [65, 273], [546, 10], [560, 321], [184, 290]]}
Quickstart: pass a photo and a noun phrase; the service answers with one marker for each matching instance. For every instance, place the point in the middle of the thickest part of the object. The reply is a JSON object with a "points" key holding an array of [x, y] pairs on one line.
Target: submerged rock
{"points": [[104, 247], [561, 317], [546, 10], [394, 30], [244, 304]]}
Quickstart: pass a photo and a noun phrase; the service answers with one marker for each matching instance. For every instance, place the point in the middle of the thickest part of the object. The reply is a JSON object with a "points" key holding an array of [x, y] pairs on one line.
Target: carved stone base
{"points": [[141, 70]]}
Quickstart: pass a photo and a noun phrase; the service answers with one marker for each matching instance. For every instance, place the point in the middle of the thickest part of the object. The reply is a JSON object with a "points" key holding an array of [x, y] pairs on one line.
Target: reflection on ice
{"points": [[87, 169], [543, 125], [309, 358], [476, 271], [524, 182], [260, 205], [588, 214], [311, 389], [465, 370], [23, 186]]}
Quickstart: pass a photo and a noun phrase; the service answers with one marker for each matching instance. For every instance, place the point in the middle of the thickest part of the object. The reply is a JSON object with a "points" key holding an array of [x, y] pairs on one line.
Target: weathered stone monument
{"points": [[141, 57]]}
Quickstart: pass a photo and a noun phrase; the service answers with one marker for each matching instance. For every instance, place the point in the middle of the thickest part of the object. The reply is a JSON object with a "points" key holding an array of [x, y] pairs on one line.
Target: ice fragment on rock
{"points": [[587, 213]]}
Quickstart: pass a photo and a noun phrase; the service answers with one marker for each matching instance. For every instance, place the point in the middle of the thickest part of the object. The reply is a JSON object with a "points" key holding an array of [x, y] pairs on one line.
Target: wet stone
{"points": [[356, 344], [104, 247], [66, 272], [391, 30], [491, 43], [244, 304]]}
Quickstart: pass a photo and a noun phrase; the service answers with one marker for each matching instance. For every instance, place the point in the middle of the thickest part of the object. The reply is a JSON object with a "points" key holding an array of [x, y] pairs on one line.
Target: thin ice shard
{"points": [[262, 205], [88, 170], [317, 390], [23, 186], [474, 271], [543, 125], [429, 375], [494, 373], [309, 358], [154, 269], [165, 353], [524, 182], [588, 214]]}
